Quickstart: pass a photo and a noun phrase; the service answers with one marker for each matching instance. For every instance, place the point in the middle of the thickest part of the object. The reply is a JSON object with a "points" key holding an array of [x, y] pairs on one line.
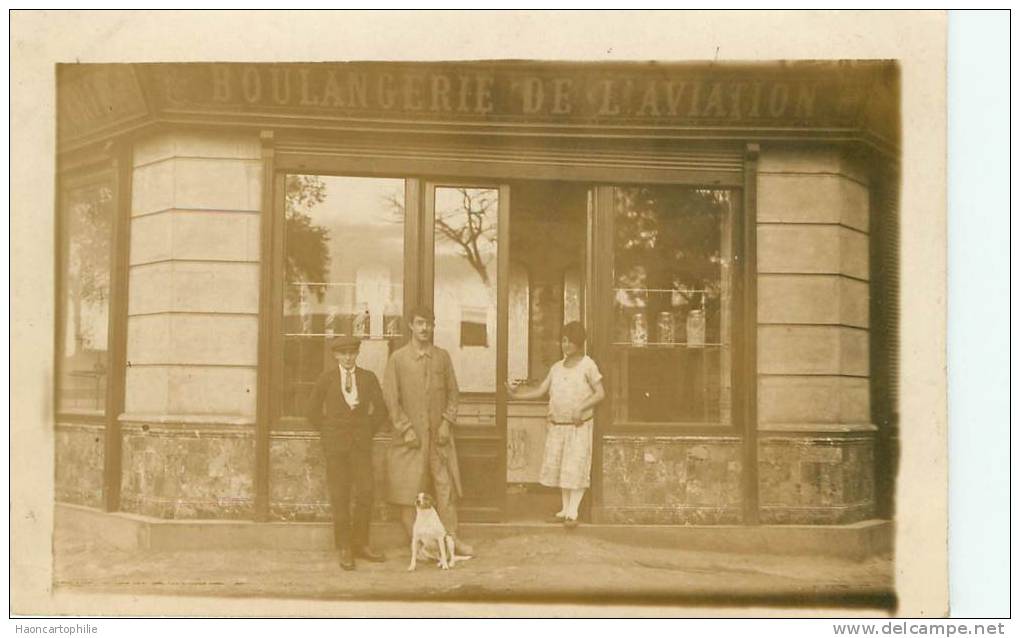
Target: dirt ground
{"points": [[530, 568]]}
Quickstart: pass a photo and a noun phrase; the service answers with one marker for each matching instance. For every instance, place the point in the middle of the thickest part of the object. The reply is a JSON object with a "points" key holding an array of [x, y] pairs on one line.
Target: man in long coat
{"points": [[346, 405], [420, 389]]}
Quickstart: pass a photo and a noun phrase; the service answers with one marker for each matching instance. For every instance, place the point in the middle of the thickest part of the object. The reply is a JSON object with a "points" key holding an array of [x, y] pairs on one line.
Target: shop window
{"points": [[465, 282], [671, 332], [83, 340], [344, 264]]}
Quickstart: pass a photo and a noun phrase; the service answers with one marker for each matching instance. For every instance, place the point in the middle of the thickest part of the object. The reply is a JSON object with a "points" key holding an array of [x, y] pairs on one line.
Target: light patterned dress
{"points": [[567, 461]]}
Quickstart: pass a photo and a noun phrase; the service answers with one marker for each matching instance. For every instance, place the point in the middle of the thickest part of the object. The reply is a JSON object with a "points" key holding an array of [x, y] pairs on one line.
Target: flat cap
{"points": [[345, 343]]}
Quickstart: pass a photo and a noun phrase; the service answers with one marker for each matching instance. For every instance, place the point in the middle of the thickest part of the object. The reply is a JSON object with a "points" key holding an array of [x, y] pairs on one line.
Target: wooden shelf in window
{"points": [[669, 290], [294, 335], [664, 346], [349, 284]]}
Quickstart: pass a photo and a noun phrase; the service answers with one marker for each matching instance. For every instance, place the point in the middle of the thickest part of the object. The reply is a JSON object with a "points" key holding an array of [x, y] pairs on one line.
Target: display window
{"points": [[86, 222], [672, 305], [343, 275]]}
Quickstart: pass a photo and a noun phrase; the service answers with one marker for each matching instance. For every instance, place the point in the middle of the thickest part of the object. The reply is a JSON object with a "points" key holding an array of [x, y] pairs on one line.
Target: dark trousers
{"points": [[348, 469]]}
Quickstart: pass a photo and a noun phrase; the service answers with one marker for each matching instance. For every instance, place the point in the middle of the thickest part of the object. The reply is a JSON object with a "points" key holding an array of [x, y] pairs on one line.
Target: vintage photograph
{"points": [[611, 331], [479, 331]]}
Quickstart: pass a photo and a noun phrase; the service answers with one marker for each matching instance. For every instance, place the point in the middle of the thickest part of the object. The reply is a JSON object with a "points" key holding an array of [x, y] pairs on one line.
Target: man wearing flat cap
{"points": [[347, 407]]}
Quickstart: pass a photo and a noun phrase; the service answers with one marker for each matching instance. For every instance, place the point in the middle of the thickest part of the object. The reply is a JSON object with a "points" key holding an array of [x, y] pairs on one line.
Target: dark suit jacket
{"points": [[342, 427]]}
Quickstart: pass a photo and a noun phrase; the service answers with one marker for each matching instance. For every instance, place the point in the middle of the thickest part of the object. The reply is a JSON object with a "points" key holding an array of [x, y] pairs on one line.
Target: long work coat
{"points": [[420, 390]]}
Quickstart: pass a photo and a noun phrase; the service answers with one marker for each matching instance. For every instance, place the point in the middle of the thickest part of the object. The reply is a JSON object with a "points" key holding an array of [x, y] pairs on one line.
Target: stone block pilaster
{"points": [[192, 344], [816, 442]]}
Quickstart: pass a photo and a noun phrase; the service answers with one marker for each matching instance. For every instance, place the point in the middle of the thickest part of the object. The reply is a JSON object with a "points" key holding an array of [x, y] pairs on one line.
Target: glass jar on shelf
{"points": [[332, 321], [678, 303], [638, 329], [362, 321], [391, 320], [622, 308], [665, 327], [696, 328], [345, 320]]}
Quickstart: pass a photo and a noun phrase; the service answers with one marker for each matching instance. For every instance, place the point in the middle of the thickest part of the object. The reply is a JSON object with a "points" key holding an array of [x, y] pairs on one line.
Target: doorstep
{"points": [[855, 541]]}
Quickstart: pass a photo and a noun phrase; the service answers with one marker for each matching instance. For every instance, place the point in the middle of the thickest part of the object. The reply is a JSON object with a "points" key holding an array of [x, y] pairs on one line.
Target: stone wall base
{"points": [[816, 478], [670, 480], [181, 471], [297, 484], [79, 450], [188, 471]]}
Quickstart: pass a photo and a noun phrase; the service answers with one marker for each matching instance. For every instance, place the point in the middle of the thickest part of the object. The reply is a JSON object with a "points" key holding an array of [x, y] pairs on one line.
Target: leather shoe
{"points": [[346, 559], [369, 554]]}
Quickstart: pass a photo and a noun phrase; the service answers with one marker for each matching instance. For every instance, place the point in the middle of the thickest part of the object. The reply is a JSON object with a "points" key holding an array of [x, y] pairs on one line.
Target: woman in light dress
{"points": [[574, 386]]}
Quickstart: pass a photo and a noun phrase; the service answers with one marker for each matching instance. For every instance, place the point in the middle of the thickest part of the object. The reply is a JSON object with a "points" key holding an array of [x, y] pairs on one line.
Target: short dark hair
{"points": [[574, 332], [421, 311]]}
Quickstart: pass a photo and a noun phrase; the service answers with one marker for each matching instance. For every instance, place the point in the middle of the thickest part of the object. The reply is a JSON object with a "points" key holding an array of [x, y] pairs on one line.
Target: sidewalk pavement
{"points": [[549, 567]]}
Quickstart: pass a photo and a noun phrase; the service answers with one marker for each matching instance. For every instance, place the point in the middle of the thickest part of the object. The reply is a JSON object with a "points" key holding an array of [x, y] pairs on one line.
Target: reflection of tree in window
{"points": [[86, 298], [464, 282], [307, 243], [471, 226], [343, 267], [672, 286], [669, 238], [89, 264]]}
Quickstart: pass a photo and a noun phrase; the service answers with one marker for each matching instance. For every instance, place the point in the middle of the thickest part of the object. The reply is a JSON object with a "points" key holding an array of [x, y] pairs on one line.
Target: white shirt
{"points": [[352, 396]]}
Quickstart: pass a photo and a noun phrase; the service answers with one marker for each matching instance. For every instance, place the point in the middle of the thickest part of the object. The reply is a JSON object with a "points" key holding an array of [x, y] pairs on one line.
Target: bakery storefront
{"points": [[726, 233]]}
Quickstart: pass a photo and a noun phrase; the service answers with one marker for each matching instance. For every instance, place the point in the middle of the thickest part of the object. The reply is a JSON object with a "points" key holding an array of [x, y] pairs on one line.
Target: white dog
{"points": [[429, 535]]}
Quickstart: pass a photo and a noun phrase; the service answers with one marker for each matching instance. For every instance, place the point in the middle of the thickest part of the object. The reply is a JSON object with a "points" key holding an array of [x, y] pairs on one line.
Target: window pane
{"points": [[85, 297], [672, 319], [344, 248], [465, 283]]}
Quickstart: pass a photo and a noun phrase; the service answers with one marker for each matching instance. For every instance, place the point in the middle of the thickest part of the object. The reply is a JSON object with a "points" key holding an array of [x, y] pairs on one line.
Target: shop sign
{"points": [[843, 95], [656, 93]]}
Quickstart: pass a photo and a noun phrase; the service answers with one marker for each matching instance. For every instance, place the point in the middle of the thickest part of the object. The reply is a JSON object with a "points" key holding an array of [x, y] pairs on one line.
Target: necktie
{"points": [[347, 381]]}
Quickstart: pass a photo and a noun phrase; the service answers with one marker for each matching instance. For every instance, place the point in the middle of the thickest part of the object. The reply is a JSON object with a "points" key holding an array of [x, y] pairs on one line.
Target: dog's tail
{"points": [[451, 547]]}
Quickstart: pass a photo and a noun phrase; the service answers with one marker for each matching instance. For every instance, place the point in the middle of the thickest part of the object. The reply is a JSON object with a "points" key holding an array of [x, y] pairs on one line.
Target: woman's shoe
{"points": [[555, 518], [570, 523]]}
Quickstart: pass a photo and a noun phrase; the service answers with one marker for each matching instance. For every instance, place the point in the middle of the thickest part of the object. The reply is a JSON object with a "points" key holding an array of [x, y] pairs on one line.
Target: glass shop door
{"points": [[546, 289], [465, 274], [502, 286]]}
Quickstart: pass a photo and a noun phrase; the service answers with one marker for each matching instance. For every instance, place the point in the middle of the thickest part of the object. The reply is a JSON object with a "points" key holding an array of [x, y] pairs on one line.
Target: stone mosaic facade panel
{"points": [[189, 473], [816, 480], [297, 485], [671, 480]]}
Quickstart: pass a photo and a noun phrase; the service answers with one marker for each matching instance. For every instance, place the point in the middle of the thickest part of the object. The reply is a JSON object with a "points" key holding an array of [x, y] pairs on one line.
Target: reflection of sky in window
{"points": [[365, 227], [361, 200]]}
